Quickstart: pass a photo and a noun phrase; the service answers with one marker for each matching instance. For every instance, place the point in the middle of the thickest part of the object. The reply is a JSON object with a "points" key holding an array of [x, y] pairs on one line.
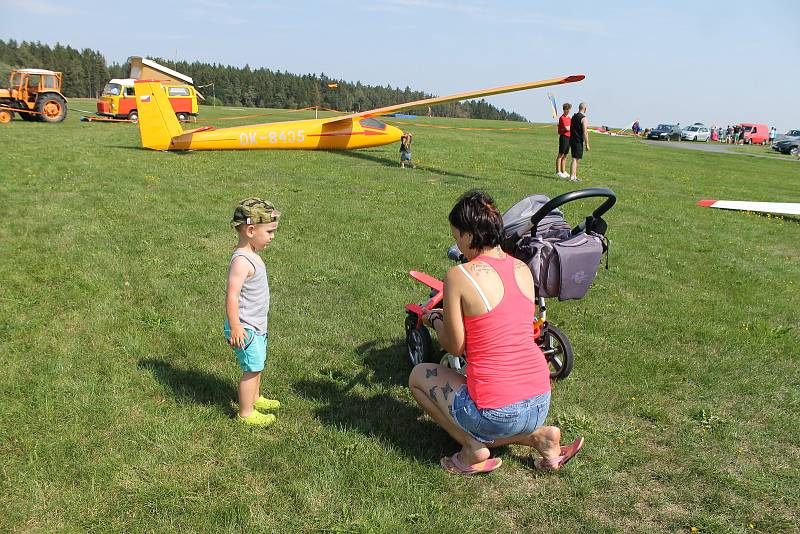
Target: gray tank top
{"points": [[254, 297]]}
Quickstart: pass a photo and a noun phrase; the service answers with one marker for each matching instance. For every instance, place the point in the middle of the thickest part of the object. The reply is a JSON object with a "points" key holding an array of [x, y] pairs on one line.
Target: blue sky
{"points": [[715, 62]]}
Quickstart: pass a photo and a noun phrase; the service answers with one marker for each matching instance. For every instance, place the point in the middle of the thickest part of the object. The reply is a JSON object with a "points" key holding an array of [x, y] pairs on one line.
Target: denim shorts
{"points": [[405, 156], [489, 424], [253, 356]]}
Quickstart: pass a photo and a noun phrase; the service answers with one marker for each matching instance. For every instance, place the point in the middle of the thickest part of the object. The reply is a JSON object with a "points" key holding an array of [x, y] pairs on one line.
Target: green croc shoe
{"points": [[257, 419], [266, 405]]}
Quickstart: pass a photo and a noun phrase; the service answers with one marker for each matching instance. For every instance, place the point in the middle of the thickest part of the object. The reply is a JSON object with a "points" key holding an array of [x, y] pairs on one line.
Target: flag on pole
{"points": [[553, 105]]}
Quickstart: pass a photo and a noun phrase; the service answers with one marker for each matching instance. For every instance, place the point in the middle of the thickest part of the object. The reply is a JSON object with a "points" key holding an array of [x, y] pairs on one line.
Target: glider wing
{"points": [[460, 96], [783, 208]]}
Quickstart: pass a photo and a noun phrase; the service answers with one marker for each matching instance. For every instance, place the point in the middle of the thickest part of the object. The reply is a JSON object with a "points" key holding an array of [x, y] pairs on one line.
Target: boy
{"points": [[247, 305], [579, 135], [563, 141], [405, 150]]}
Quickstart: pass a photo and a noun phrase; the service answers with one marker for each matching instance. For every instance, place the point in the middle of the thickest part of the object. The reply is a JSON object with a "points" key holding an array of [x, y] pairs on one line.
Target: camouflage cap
{"points": [[254, 211]]}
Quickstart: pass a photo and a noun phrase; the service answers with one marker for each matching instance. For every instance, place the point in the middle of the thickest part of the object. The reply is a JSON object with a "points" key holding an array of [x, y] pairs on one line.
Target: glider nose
{"points": [[394, 133]]}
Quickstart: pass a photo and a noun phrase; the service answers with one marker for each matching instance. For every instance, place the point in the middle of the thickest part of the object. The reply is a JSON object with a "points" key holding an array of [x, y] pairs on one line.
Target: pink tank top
{"points": [[504, 364]]}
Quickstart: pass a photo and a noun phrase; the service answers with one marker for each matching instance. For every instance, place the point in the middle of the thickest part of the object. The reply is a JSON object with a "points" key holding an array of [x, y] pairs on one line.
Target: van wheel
{"points": [[181, 117], [133, 116]]}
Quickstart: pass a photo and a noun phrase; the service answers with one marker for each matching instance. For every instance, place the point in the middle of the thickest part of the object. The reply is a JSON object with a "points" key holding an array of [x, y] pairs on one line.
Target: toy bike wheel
{"points": [[456, 363], [419, 346], [557, 350]]}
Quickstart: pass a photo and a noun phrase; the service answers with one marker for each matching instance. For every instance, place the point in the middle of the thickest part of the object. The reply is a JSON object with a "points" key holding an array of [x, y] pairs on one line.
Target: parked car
{"points": [[791, 134], [665, 132], [788, 145], [755, 133], [696, 132]]}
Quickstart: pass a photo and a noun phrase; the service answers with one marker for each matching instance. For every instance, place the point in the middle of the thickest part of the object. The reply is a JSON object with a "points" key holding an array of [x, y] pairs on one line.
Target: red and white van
{"points": [[755, 133]]}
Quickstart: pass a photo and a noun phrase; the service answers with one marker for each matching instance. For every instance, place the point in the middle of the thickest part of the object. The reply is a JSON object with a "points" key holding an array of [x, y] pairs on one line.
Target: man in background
{"points": [[578, 137]]}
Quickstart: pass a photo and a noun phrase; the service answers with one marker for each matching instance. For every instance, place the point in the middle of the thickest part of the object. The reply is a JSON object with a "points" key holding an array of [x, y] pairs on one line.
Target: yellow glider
{"points": [[160, 129]]}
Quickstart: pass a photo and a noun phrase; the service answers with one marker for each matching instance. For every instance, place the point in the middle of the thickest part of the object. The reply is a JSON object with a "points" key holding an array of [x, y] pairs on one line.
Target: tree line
{"points": [[86, 72]]}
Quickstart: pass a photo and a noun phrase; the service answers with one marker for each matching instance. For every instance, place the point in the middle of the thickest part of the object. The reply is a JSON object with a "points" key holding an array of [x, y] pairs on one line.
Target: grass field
{"points": [[118, 389]]}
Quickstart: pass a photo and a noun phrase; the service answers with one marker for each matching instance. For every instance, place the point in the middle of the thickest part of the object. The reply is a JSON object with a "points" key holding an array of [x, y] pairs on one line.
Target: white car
{"points": [[696, 132]]}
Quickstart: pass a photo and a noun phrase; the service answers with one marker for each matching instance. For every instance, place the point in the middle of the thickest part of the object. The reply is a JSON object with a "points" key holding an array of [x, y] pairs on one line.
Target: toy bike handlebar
{"points": [[570, 196]]}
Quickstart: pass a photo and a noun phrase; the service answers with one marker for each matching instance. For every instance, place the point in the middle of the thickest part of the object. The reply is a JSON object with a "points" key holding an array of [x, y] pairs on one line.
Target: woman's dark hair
{"points": [[476, 213]]}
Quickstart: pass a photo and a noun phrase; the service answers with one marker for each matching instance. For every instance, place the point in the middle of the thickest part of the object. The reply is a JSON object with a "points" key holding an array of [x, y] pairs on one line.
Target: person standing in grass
{"points": [[578, 137], [563, 140], [247, 306], [489, 306], [405, 149]]}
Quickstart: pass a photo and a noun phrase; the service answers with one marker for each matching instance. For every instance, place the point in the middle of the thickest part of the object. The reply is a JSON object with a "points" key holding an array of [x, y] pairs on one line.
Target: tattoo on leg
{"points": [[432, 393], [446, 390], [431, 372]]}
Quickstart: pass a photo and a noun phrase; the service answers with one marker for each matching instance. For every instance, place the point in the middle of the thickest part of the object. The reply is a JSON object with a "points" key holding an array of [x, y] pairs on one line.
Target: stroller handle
{"points": [[570, 196]]}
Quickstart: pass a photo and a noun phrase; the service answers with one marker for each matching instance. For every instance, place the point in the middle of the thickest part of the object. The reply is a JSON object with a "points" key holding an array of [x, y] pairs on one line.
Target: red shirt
{"points": [[505, 365], [563, 124]]}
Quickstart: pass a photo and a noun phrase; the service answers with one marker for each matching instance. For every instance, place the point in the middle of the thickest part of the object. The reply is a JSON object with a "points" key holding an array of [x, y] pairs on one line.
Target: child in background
{"points": [[405, 150], [247, 306]]}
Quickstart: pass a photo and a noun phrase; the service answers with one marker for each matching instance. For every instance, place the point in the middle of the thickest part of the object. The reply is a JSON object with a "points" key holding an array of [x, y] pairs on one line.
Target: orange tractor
{"points": [[35, 94]]}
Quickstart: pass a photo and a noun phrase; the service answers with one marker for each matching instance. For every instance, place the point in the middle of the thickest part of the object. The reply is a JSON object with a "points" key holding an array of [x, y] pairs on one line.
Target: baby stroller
{"points": [[564, 263]]}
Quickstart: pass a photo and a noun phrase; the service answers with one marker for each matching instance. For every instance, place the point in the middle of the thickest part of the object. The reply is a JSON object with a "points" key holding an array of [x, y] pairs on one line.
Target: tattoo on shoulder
{"points": [[520, 266], [481, 268], [432, 393], [431, 372], [446, 390]]}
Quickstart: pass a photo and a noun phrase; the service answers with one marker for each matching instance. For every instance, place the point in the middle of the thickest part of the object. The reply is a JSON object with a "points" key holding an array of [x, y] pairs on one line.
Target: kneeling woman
{"points": [[488, 314]]}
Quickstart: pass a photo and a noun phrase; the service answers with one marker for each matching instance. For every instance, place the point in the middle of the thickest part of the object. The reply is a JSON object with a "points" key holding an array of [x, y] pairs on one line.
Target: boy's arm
{"points": [[238, 273]]}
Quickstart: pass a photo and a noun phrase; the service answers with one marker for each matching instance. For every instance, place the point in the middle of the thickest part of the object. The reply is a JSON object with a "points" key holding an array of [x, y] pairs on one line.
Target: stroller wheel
{"points": [[419, 346], [557, 350], [456, 363]]}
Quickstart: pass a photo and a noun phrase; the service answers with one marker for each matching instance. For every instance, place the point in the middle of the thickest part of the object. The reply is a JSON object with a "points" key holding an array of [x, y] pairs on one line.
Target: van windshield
{"points": [[112, 89]]}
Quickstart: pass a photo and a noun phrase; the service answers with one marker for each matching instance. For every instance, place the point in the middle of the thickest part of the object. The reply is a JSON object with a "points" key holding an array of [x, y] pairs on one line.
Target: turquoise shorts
{"points": [[253, 356]]}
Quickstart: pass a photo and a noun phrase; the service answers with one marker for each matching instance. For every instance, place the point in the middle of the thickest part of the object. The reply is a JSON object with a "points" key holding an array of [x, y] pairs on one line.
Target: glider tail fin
{"points": [[157, 121]]}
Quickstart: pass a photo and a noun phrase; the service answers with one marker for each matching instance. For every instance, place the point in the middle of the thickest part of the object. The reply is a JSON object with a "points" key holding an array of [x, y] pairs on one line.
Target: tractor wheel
{"points": [[182, 116], [52, 107], [133, 116], [6, 116]]}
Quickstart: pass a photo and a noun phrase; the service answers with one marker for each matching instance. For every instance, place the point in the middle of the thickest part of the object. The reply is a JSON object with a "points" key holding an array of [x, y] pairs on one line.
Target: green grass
{"points": [[118, 390]]}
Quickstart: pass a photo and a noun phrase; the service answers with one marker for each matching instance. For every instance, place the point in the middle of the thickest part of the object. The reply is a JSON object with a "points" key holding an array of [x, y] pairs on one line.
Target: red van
{"points": [[755, 133]]}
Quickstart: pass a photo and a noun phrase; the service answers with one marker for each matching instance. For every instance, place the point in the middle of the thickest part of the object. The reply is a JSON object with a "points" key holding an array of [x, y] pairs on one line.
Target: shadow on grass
{"points": [[389, 162], [389, 364], [380, 416], [361, 402], [196, 386], [539, 174]]}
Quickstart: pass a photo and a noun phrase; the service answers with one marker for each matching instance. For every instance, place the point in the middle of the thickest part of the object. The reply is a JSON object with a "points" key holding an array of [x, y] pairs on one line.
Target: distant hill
{"points": [[86, 72]]}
